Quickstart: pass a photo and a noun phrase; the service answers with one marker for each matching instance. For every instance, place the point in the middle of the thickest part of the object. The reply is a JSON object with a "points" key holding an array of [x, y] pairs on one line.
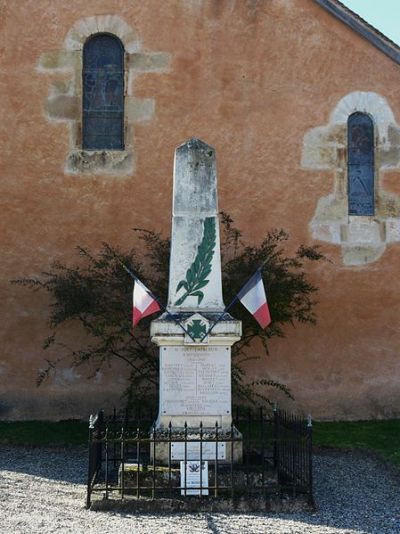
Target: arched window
{"points": [[103, 93], [361, 164]]}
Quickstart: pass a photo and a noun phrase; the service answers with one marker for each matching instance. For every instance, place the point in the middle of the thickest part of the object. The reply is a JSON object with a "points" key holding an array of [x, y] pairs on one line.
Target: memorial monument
{"points": [[193, 449], [195, 335]]}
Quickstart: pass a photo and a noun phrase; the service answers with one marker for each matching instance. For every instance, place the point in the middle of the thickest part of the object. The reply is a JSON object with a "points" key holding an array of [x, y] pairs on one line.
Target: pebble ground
{"points": [[42, 491]]}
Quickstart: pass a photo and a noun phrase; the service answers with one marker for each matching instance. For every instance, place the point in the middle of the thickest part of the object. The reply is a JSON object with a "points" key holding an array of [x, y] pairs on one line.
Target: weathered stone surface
{"points": [[195, 231], [360, 255], [116, 162], [139, 109], [328, 232], [320, 147], [195, 363], [61, 87], [227, 448], [148, 62], [195, 386], [366, 102], [393, 230], [63, 107], [88, 26], [57, 60], [364, 231]]}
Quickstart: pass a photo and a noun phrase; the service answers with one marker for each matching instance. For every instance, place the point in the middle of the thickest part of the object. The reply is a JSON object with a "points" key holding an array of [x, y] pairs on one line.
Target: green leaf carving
{"points": [[181, 284], [196, 275]]}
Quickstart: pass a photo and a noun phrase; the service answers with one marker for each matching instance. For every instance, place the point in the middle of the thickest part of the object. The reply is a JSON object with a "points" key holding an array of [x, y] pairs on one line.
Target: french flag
{"points": [[143, 302], [252, 296]]}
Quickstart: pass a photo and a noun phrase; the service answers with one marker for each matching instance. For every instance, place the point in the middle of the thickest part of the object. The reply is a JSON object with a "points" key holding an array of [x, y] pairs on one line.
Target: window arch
{"points": [[361, 164], [103, 93]]}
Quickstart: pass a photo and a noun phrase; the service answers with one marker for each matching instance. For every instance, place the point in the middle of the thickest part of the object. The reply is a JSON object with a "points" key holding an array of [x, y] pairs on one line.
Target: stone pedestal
{"points": [[195, 384]]}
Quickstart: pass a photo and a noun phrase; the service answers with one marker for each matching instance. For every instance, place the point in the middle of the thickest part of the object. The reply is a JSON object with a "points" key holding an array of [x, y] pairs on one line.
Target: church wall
{"points": [[262, 82]]}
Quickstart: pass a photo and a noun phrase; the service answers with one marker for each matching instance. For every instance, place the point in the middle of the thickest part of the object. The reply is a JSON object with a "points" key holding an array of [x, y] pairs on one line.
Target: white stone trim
{"points": [[173, 341], [362, 239], [365, 102], [84, 28], [64, 102]]}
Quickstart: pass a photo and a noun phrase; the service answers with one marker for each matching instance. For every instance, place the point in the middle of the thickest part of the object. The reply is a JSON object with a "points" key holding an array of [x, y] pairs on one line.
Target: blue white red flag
{"points": [[143, 302], [252, 296]]}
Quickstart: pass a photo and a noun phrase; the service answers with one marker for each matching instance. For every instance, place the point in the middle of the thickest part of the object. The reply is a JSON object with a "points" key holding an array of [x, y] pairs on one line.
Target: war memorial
{"points": [[197, 454]]}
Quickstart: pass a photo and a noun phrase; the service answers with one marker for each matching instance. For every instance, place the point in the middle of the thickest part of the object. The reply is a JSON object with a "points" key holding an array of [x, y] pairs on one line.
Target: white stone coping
{"points": [[175, 340], [167, 328]]}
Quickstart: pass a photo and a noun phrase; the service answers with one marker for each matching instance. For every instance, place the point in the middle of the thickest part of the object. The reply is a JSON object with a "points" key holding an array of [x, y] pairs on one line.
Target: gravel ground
{"points": [[42, 491]]}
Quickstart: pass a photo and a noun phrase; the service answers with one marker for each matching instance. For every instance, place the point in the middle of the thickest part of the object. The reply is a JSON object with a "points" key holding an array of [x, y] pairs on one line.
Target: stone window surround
{"points": [[64, 102], [363, 239]]}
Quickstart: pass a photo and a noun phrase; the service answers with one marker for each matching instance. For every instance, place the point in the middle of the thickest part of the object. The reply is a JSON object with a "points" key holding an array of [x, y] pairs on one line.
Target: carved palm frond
{"points": [[196, 275]]}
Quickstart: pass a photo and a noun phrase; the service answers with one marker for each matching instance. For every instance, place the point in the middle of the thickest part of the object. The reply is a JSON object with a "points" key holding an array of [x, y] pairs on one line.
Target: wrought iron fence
{"points": [[293, 452], [260, 456], [96, 432]]}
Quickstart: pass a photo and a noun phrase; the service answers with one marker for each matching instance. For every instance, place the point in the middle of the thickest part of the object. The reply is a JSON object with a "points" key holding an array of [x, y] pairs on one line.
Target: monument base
{"points": [[195, 403], [262, 502], [195, 386], [179, 444]]}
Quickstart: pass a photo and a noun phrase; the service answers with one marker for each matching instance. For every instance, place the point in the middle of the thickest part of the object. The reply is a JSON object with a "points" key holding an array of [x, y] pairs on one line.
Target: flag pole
{"points": [[164, 308], [233, 301]]}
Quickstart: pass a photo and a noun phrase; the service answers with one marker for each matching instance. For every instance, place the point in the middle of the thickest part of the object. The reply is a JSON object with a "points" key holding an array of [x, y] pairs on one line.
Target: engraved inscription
{"points": [[195, 380], [209, 450]]}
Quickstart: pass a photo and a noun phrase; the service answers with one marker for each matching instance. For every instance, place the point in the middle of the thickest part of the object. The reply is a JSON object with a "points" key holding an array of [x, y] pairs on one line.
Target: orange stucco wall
{"points": [[248, 77]]}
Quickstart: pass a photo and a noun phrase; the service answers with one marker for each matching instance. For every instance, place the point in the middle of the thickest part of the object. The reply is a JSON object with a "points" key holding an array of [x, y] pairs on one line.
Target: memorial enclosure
{"points": [[300, 100]]}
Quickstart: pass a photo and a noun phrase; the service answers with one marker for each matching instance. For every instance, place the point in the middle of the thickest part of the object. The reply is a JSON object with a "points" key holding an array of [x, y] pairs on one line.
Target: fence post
{"points": [[185, 465], [216, 461], [99, 425], [95, 451], [232, 453], [115, 436], [106, 460], [201, 458], [169, 458], [276, 434], [122, 465], [310, 461], [262, 449], [90, 462], [153, 445]]}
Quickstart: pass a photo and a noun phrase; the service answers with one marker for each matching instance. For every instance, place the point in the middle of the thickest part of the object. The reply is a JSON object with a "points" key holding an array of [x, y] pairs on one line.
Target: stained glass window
{"points": [[103, 93], [361, 164]]}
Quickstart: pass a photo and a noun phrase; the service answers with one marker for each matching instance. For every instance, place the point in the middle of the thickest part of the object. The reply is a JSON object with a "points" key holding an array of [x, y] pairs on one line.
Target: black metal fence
{"points": [[293, 452], [261, 455]]}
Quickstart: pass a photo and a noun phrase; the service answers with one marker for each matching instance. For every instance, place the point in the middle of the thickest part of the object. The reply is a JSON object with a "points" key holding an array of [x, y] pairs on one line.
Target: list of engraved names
{"points": [[195, 380]]}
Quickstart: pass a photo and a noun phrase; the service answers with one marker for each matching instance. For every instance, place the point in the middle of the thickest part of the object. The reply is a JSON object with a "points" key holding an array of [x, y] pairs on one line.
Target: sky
{"points": [[384, 15]]}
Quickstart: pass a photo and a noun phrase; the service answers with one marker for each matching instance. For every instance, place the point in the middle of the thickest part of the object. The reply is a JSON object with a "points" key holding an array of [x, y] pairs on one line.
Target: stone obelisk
{"points": [[195, 370], [195, 267]]}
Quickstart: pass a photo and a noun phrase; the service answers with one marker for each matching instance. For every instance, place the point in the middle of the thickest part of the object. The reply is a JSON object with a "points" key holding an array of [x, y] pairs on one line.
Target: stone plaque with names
{"points": [[195, 380], [209, 450]]}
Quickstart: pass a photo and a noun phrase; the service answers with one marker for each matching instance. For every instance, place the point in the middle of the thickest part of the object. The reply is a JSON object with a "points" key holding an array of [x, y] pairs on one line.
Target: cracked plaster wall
{"points": [[362, 239], [65, 97]]}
